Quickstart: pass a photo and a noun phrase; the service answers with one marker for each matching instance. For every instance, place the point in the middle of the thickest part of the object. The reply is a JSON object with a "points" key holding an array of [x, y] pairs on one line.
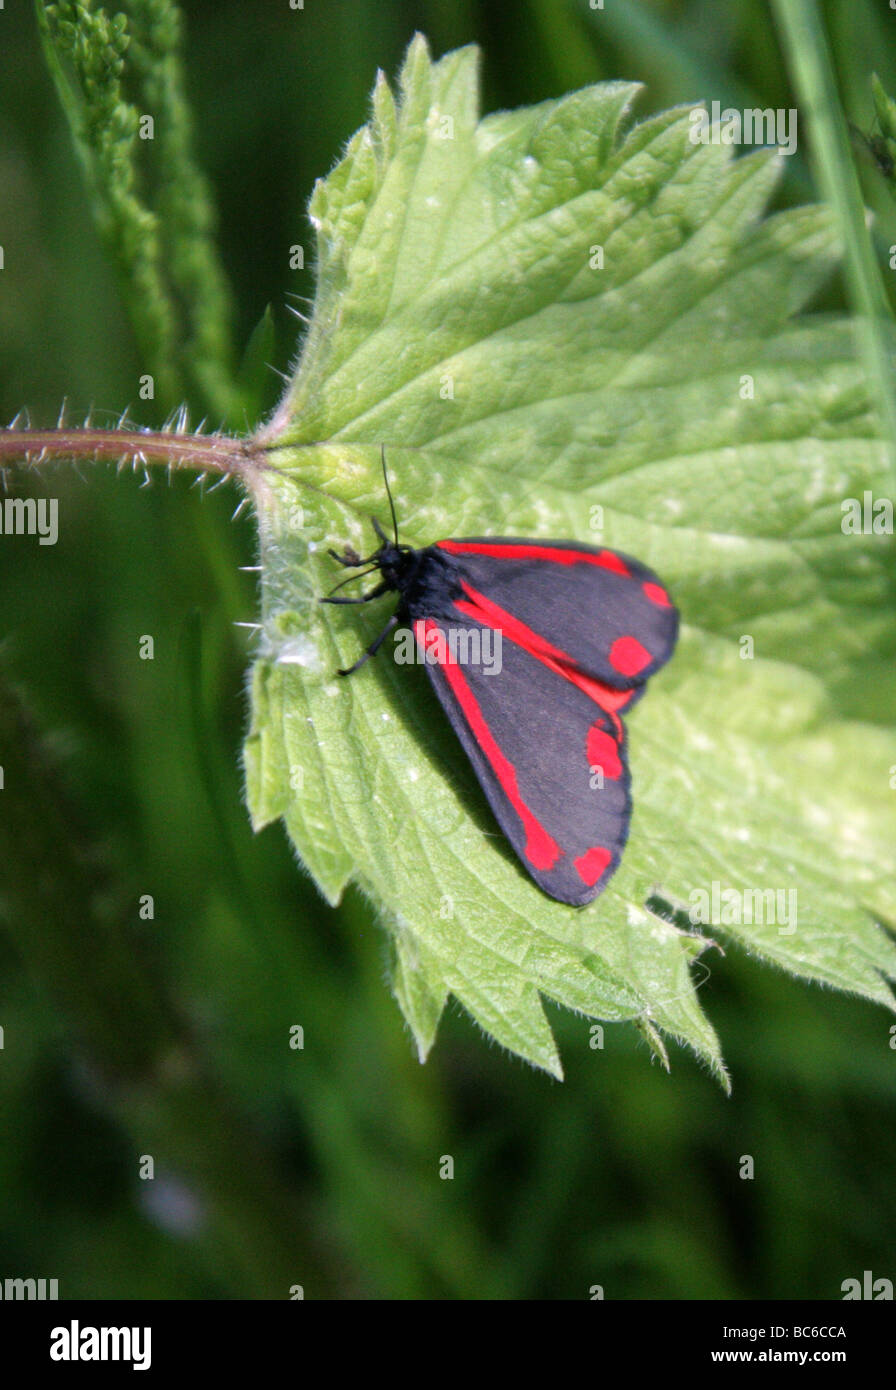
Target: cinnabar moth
{"points": [[582, 629]]}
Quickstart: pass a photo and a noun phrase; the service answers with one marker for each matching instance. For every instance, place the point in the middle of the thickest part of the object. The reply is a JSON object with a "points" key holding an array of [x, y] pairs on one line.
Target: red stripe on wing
{"points": [[604, 559], [541, 849], [484, 610]]}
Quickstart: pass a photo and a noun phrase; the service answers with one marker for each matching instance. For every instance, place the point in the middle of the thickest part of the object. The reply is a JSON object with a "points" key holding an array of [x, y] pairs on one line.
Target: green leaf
{"points": [[150, 200], [662, 405], [255, 373]]}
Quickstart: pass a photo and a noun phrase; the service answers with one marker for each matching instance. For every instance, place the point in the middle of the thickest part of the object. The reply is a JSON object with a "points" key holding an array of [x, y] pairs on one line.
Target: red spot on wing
{"points": [[657, 594], [592, 864], [603, 752], [604, 559], [628, 656], [541, 850], [607, 696]]}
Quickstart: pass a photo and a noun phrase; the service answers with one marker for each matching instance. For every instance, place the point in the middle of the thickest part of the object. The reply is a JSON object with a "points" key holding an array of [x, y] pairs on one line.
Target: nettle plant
{"points": [[560, 323]]}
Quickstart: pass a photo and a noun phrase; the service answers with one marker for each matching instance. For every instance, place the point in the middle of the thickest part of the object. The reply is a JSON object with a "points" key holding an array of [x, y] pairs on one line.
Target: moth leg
{"points": [[374, 646], [362, 598]]}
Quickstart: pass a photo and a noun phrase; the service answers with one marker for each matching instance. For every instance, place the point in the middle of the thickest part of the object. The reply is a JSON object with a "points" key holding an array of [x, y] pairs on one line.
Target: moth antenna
{"points": [[351, 578], [389, 493]]}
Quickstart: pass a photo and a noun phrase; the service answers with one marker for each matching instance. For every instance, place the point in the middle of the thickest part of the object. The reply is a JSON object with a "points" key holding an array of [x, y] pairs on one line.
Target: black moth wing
{"points": [[604, 613], [550, 760]]}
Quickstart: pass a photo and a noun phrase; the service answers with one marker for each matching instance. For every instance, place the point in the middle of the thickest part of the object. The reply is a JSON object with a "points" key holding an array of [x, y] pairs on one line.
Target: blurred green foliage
{"points": [[125, 1037]]}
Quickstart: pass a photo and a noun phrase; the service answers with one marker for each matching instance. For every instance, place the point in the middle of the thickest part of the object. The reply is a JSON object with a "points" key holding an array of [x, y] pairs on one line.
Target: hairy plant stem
{"points": [[218, 453]]}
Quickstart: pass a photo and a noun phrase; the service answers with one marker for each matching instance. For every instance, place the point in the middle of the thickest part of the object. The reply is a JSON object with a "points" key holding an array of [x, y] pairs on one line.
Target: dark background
{"points": [[125, 1038]]}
